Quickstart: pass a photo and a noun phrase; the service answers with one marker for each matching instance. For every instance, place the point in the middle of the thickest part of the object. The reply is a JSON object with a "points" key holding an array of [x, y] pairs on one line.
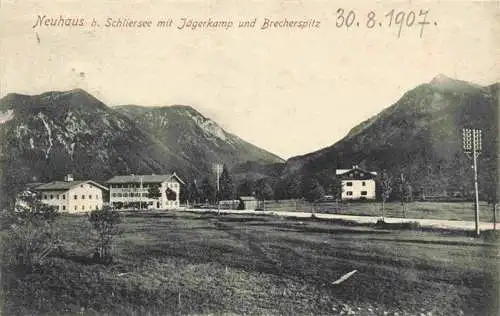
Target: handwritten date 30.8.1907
{"points": [[397, 19]]}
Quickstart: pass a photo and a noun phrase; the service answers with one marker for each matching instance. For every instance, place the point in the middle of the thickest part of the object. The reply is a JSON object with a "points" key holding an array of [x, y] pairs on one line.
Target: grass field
{"points": [[182, 263], [430, 210]]}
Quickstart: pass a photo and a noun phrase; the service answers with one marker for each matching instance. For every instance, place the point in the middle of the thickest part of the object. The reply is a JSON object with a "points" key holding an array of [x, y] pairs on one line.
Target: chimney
{"points": [[68, 177]]}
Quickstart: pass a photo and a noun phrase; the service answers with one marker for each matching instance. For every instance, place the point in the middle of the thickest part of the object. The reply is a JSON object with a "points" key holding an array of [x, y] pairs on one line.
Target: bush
{"points": [[31, 235], [405, 226], [491, 235], [105, 222]]}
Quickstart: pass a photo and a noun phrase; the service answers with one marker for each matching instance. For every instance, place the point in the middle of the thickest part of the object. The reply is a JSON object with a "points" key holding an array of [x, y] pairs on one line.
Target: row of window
{"points": [[63, 207], [52, 196], [129, 194], [349, 184], [362, 193], [63, 196], [136, 185], [351, 175], [83, 196]]}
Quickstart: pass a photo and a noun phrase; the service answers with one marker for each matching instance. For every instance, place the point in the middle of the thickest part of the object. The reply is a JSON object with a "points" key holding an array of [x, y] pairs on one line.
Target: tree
{"points": [[193, 193], [313, 191], [170, 194], [207, 191], [492, 194], [336, 188], [226, 185], [405, 193], [105, 221], [264, 191], [31, 234], [294, 188], [280, 190], [385, 189], [246, 188], [154, 192]]}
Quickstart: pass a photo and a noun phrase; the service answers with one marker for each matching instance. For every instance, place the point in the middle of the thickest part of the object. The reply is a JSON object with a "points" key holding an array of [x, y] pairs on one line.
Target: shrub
{"points": [[31, 235], [405, 226], [105, 221]]}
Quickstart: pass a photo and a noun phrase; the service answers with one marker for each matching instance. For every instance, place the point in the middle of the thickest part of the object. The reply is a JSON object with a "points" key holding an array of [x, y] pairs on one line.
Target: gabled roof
{"points": [[248, 198], [146, 178], [355, 174], [66, 185]]}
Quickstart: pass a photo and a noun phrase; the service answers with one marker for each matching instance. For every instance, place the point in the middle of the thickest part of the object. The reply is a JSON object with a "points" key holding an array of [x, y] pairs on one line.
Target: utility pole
{"points": [[218, 172], [472, 146], [140, 196]]}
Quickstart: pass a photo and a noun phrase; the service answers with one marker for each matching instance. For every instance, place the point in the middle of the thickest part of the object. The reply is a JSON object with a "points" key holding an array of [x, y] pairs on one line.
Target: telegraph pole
{"points": [[472, 146], [140, 196], [218, 172]]}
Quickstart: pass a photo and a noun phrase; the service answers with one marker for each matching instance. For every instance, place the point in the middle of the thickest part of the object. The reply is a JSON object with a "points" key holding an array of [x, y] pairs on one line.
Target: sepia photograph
{"points": [[249, 157]]}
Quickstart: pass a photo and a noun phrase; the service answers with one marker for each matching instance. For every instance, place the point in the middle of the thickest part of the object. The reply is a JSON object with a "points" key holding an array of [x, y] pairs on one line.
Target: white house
{"points": [[357, 184], [133, 191], [72, 196]]}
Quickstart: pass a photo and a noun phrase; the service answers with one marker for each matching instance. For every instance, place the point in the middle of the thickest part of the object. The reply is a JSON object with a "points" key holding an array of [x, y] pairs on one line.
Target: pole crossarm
{"points": [[472, 146]]}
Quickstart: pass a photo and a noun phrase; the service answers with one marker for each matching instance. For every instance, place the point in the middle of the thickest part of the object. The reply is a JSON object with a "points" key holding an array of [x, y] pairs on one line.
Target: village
{"points": [[163, 192]]}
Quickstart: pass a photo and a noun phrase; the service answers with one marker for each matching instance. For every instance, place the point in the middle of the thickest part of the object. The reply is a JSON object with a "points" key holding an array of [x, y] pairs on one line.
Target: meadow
{"points": [[182, 263], [417, 210]]}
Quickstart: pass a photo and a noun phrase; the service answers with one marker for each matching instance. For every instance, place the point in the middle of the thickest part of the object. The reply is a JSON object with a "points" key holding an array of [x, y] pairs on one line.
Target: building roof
{"points": [[147, 178], [66, 185], [248, 198], [355, 173]]}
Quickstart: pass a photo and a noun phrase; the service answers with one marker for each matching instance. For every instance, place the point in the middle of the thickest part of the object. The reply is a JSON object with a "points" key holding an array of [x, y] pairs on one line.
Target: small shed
{"points": [[247, 203]]}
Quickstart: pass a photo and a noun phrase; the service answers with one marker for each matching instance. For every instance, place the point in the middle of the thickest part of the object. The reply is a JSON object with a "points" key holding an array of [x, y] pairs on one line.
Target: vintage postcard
{"points": [[249, 157]]}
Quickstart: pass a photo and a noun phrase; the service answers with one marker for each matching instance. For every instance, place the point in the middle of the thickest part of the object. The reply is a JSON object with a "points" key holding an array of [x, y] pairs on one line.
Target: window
{"points": [[64, 207], [51, 197], [90, 196], [81, 186], [83, 207], [83, 197], [113, 194], [349, 184], [364, 193], [57, 196], [45, 196], [64, 196], [349, 192], [363, 183], [145, 195], [125, 194], [75, 196], [75, 208]]}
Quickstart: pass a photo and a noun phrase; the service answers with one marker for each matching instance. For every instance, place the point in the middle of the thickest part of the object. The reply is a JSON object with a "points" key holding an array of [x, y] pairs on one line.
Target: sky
{"points": [[289, 91]]}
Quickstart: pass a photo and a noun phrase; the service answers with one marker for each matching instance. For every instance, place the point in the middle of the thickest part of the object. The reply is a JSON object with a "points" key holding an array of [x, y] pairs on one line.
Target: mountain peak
{"points": [[446, 84], [441, 79]]}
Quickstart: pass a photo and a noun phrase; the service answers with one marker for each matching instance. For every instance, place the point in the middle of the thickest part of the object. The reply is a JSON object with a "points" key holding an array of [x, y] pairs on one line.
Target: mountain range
{"points": [[52, 134], [420, 137], [49, 135]]}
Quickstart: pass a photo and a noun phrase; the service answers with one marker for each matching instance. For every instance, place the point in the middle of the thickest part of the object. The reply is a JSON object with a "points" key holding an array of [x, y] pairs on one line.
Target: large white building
{"points": [[357, 184], [133, 191], [72, 196]]}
